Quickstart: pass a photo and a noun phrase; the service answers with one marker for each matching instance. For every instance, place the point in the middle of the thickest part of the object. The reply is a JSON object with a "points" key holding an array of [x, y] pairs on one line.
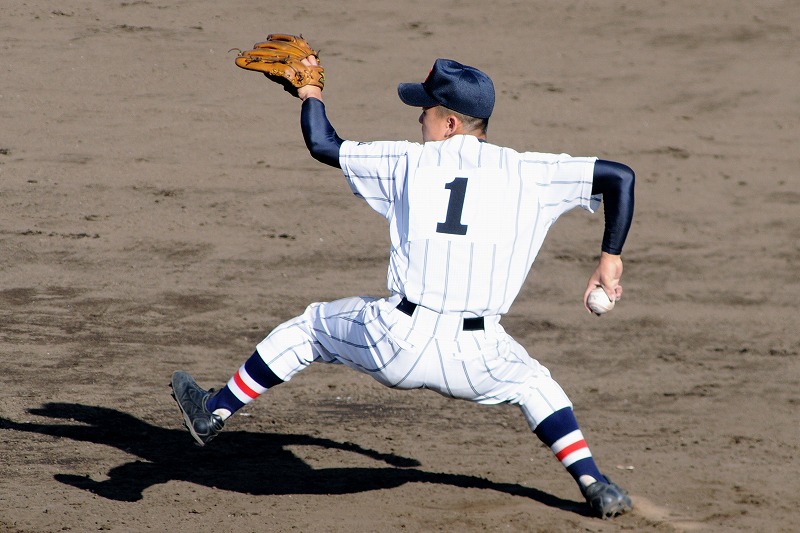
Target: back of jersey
{"points": [[467, 218], [477, 215]]}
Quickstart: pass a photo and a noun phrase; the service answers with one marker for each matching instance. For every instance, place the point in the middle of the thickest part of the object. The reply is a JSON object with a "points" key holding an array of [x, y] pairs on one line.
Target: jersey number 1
{"points": [[452, 222]]}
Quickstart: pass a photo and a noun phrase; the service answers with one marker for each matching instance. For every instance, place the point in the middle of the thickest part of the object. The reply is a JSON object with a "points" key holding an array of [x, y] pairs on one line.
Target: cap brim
{"points": [[414, 94]]}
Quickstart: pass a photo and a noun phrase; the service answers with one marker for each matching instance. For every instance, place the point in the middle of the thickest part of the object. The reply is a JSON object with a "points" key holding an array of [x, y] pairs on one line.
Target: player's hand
{"points": [[309, 91], [606, 275]]}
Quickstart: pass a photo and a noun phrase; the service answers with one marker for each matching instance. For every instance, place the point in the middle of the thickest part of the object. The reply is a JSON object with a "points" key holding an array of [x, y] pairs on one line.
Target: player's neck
{"points": [[474, 133]]}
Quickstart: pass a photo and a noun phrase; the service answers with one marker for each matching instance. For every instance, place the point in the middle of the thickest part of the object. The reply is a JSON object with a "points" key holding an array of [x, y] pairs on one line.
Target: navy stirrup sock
{"points": [[252, 380], [560, 432]]}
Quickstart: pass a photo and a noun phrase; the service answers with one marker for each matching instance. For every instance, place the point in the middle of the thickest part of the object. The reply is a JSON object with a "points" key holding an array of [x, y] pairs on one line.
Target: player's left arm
{"points": [[615, 182], [321, 139]]}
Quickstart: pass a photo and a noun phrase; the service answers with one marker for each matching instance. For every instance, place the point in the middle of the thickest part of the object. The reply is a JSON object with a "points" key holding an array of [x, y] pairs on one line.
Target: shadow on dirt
{"points": [[250, 463]]}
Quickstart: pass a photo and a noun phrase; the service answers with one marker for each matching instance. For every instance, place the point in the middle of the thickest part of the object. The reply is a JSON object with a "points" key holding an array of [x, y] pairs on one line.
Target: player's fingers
{"points": [[611, 287], [594, 282], [614, 292]]}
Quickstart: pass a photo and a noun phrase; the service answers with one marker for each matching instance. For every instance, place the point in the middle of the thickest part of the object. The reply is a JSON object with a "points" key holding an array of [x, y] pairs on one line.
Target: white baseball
{"points": [[599, 302]]}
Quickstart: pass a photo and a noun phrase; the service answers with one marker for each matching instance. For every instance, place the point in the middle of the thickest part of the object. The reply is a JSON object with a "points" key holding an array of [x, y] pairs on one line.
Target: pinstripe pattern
{"points": [[508, 201], [539, 188], [428, 350]]}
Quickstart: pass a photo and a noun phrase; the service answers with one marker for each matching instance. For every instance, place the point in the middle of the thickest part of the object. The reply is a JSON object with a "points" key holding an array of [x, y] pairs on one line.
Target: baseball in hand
{"points": [[599, 302]]}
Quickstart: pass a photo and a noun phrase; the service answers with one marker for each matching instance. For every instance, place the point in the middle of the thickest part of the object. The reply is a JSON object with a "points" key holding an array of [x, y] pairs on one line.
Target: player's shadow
{"points": [[251, 463]]}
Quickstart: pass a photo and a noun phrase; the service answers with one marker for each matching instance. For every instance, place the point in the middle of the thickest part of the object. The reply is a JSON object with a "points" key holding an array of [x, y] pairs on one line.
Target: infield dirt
{"points": [[159, 211]]}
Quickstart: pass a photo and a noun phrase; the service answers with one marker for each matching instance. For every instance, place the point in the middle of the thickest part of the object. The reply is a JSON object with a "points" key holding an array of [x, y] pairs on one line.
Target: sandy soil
{"points": [[158, 210]]}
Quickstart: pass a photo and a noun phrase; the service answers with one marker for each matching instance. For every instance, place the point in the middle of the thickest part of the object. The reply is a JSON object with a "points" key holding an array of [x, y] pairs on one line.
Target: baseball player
{"points": [[466, 220]]}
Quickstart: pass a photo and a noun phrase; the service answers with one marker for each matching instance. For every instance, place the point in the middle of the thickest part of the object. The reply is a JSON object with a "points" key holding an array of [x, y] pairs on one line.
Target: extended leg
{"points": [[204, 412], [288, 349], [252, 380]]}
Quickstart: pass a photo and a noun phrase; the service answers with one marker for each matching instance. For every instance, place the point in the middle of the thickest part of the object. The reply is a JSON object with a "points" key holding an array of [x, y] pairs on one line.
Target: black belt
{"points": [[470, 324]]}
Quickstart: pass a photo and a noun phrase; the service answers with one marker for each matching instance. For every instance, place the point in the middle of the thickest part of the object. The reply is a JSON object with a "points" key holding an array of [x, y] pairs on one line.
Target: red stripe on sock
{"points": [[571, 448], [243, 386]]}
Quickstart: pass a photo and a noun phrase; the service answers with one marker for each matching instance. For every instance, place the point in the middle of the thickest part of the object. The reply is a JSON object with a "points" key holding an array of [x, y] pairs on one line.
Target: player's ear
{"points": [[453, 125]]}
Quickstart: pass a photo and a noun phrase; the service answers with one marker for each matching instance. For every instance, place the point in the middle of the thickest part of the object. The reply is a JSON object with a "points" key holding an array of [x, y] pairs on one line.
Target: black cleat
{"points": [[202, 424], [607, 500]]}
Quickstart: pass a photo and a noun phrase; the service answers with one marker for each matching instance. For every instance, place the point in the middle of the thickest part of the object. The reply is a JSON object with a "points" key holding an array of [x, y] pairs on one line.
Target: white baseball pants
{"points": [[425, 350]]}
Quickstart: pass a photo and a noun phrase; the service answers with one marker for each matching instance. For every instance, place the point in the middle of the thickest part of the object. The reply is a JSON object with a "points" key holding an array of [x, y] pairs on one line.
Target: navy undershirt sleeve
{"points": [[320, 137], [615, 182]]}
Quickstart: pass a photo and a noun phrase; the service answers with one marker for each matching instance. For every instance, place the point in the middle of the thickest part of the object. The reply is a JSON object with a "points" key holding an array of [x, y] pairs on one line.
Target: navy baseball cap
{"points": [[463, 89]]}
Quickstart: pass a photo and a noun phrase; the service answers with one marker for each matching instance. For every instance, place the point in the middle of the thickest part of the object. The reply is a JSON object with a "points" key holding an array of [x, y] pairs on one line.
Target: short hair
{"points": [[470, 123]]}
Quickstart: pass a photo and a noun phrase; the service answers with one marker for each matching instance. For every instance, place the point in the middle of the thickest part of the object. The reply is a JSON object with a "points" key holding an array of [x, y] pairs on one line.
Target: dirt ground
{"points": [[159, 211]]}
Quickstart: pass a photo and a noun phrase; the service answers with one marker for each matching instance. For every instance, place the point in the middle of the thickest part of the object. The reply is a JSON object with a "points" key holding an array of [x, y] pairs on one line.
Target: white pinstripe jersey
{"points": [[466, 217]]}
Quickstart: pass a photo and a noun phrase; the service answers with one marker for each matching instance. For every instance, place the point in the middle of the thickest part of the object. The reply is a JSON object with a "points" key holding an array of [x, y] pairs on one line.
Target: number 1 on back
{"points": [[452, 222]]}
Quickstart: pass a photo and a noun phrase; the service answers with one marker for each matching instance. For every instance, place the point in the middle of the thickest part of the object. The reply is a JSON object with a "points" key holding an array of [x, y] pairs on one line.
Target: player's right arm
{"points": [[615, 182]]}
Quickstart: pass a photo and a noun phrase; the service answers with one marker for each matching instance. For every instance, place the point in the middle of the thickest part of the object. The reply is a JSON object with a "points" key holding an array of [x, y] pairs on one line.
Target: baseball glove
{"points": [[280, 59]]}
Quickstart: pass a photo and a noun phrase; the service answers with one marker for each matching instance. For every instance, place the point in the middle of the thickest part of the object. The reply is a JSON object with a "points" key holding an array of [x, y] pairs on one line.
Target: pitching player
{"points": [[467, 219]]}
